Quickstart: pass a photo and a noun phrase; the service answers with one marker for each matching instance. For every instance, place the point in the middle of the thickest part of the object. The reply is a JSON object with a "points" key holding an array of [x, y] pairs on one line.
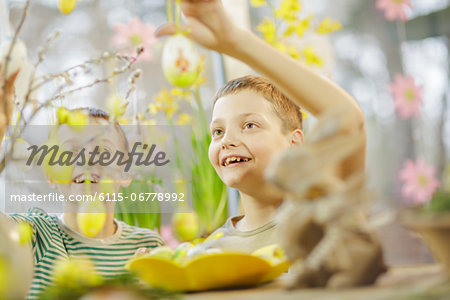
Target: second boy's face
{"points": [[86, 179], [246, 133]]}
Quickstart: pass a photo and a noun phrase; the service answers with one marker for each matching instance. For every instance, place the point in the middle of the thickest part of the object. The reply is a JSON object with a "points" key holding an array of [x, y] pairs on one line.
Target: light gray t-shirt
{"points": [[243, 241]]}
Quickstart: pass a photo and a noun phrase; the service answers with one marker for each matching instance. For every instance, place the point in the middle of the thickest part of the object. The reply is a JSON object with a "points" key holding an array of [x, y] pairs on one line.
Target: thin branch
{"points": [[8, 56]]}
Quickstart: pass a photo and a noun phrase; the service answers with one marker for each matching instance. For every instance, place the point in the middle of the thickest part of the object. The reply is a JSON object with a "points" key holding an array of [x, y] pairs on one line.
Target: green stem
{"points": [[178, 14], [169, 11]]}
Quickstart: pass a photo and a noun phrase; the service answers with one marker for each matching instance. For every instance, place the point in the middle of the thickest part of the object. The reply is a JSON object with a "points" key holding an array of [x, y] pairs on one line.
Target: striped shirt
{"points": [[53, 240]]}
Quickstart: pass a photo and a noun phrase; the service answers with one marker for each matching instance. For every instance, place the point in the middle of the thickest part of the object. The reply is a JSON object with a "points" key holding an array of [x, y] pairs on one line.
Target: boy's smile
{"points": [[85, 178], [246, 132]]}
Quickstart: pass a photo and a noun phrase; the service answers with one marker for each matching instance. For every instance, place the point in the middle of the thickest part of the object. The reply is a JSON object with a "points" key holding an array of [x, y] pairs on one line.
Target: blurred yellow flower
{"points": [[282, 47], [299, 26], [76, 272], [124, 121], [115, 106], [268, 30], [184, 119], [62, 115], [328, 25], [66, 6], [292, 51], [200, 80], [25, 232], [182, 93], [77, 119], [311, 58], [166, 102], [149, 122], [304, 114], [288, 10], [258, 3]]}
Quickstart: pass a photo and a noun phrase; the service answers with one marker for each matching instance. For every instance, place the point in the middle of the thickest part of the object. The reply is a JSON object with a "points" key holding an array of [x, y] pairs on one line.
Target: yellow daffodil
{"points": [[328, 25], [66, 6], [258, 3], [76, 272], [184, 119], [164, 101], [287, 10], [268, 30], [153, 108], [311, 57], [299, 27]]}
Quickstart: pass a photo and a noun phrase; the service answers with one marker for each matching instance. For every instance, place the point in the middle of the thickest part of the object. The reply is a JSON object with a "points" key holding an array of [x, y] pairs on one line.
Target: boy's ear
{"points": [[296, 137]]}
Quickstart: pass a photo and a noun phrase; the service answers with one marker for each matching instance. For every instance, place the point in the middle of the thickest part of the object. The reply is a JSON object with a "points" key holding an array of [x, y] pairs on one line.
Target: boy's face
{"points": [[244, 127], [86, 178]]}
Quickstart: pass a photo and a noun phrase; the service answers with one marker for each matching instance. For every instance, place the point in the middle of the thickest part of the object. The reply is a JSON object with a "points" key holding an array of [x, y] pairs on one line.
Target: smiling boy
{"points": [[60, 237], [255, 118]]}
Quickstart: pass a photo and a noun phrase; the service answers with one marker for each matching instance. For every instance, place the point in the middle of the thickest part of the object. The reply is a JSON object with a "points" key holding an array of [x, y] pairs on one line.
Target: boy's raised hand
{"points": [[207, 24]]}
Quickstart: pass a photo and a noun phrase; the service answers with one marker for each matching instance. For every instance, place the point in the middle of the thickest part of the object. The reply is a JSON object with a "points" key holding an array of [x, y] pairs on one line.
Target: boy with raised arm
{"points": [[255, 118]]}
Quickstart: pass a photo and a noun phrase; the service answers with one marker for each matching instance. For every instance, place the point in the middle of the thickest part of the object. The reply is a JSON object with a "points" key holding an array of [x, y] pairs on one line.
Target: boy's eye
{"points": [[217, 132], [250, 125]]}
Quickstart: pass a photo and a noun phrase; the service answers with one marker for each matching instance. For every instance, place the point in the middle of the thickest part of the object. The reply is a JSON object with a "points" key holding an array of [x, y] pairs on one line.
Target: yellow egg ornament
{"points": [[54, 168], [76, 272], [66, 6], [180, 60], [186, 226], [91, 218]]}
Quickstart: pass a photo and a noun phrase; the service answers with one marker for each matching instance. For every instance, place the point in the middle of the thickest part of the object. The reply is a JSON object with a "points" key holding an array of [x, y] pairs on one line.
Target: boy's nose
{"points": [[229, 141]]}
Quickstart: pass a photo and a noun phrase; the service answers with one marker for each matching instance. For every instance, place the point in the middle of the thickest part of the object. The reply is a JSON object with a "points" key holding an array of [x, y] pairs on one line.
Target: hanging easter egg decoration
{"points": [[180, 60], [91, 218], [66, 6]]}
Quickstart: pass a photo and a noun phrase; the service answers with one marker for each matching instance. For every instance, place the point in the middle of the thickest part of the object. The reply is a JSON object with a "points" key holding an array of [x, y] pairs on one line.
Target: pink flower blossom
{"points": [[418, 181], [407, 96], [130, 36], [168, 237], [393, 9]]}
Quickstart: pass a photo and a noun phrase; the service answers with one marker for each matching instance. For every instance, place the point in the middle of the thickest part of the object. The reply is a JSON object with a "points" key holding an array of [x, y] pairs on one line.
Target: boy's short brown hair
{"points": [[98, 113], [289, 113]]}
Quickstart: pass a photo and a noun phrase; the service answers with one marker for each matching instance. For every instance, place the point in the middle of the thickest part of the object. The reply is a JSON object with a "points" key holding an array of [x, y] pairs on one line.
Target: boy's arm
{"points": [[209, 26]]}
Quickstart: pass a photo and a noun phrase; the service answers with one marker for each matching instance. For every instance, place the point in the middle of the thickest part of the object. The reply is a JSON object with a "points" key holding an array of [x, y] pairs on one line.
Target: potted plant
{"points": [[430, 217]]}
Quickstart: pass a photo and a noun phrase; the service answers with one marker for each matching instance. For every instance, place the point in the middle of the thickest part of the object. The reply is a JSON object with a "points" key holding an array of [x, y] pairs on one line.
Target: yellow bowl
{"points": [[206, 272]]}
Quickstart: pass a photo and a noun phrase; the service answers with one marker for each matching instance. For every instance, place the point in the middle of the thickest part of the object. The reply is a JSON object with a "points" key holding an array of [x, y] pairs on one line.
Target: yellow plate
{"points": [[206, 272]]}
